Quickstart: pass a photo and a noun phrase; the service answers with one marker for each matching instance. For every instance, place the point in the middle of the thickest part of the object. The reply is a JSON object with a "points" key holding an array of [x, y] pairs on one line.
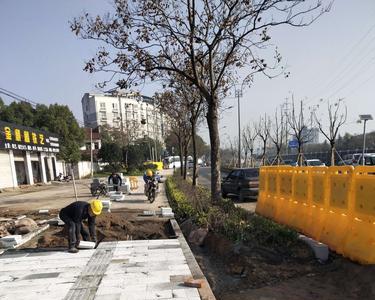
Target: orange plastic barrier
{"points": [[284, 199], [301, 198], [360, 243], [338, 217], [261, 207], [317, 210], [334, 205]]}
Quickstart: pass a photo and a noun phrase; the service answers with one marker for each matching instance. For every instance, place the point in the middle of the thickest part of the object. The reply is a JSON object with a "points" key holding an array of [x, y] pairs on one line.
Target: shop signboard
{"points": [[17, 137]]}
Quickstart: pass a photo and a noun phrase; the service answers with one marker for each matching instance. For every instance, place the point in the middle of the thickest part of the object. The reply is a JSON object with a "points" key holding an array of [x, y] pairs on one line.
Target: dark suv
{"points": [[241, 182]]}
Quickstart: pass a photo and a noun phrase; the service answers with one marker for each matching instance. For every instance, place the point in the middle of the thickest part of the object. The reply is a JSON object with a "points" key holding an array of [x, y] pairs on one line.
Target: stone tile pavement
{"points": [[124, 270]]}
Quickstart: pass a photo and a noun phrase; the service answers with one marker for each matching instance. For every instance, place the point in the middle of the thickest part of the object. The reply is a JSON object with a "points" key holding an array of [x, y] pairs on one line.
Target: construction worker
{"points": [[116, 180], [74, 214]]}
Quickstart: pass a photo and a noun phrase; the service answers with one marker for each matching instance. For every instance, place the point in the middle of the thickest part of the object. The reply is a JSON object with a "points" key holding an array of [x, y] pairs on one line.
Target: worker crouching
{"points": [[74, 214]]}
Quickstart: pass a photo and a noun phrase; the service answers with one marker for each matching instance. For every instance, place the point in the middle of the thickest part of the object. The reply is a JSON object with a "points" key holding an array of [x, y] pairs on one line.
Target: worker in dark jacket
{"points": [[116, 180], [74, 214]]}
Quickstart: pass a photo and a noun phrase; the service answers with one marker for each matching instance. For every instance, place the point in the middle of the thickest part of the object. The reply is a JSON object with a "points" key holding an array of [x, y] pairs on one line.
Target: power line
{"points": [[24, 99]]}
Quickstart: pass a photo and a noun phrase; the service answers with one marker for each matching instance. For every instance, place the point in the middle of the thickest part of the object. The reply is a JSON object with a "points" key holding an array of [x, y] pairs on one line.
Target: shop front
{"points": [[27, 155]]}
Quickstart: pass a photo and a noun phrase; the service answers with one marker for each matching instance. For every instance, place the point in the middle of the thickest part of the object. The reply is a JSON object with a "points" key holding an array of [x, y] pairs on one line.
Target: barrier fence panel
{"points": [[318, 207], [301, 198], [360, 243], [285, 197], [261, 207], [337, 219]]}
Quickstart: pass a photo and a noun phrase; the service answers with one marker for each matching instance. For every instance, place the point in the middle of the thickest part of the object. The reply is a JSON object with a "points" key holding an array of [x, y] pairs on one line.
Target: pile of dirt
{"points": [[236, 271], [113, 226]]}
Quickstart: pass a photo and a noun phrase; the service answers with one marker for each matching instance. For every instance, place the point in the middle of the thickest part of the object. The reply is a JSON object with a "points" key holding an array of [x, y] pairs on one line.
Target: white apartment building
{"points": [[131, 112]]}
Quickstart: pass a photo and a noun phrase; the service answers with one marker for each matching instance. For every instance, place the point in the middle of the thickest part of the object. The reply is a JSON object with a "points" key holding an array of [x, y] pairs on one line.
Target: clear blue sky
{"points": [[41, 59]]}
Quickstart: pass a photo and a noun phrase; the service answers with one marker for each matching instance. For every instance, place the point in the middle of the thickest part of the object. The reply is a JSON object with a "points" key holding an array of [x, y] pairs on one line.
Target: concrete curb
{"points": [[205, 291]]}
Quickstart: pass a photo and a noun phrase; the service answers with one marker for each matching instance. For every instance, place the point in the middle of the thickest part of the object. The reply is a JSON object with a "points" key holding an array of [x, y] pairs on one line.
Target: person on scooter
{"points": [[74, 214], [147, 177], [116, 180]]}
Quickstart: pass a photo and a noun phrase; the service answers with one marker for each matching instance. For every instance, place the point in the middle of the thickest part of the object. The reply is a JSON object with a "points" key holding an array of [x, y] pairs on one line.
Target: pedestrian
{"points": [[74, 214], [116, 180]]}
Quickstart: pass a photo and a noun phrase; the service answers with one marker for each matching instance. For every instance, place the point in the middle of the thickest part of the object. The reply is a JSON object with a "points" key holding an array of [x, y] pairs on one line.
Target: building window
{"points": [[114, 105], [102, 105]]}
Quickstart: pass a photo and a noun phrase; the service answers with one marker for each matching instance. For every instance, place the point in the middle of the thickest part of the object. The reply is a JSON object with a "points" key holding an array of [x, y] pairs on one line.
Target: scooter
{"points": [[63, 178], [153, 187]]}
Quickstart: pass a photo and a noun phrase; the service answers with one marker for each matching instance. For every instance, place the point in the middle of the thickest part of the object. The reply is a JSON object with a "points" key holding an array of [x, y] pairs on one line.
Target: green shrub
{"points": [[224, 217]]}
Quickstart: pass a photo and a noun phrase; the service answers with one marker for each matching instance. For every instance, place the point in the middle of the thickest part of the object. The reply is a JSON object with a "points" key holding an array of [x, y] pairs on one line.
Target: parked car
{"points": [[243, 183], [356, 159], [313, 163]]}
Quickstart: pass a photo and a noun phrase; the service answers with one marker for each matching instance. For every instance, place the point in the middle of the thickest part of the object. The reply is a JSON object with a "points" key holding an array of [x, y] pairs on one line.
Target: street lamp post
{"points": [[239, 95], [364, 118]]}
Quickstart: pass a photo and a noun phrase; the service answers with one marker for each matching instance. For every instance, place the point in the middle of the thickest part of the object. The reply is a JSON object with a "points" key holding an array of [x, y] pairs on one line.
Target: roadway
{"points": [[205, 180]]}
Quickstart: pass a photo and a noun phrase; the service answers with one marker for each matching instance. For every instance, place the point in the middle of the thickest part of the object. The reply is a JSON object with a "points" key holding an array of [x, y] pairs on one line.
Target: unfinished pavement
{"points": [[143, 269]]}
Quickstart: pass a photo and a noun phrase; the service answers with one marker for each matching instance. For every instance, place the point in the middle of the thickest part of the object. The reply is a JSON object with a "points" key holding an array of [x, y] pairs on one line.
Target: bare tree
{"points": [[298, 125], [150, 40], [277, 134], [337, 115], [263, 131], [249, 135], [176, 110]]}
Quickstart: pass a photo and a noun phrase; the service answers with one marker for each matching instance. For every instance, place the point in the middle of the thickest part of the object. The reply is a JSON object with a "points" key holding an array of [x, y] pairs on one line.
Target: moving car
{"points": [[243, 183]]}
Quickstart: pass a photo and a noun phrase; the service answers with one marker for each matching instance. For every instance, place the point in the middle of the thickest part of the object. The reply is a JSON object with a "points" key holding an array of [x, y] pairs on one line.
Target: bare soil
{"points": [[238, 272], [118, 225]]}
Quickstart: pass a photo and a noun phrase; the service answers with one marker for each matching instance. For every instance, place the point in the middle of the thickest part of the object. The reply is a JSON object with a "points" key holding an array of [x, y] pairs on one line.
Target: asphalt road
{"points": [[205, 180]]}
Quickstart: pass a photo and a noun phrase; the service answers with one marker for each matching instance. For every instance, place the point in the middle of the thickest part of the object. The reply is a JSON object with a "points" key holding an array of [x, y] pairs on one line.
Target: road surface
{"points": [[205, 180]]}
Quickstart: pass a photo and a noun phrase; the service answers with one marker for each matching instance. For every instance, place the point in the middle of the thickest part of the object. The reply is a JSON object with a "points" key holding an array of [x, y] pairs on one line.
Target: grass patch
{"points": [[225, 218]]}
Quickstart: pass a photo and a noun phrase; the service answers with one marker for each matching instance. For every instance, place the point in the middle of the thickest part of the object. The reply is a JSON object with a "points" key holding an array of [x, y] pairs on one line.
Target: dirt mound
{"points": [[111, 227]]}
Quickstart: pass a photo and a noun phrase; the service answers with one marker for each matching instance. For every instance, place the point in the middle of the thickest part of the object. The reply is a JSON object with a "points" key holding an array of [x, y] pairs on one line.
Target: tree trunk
{"points": [[300, 159], [264, 153], [181, 155], [186, 145], [333, 148], [213, 125], [245, 161], [251, 158], [193, 136]]}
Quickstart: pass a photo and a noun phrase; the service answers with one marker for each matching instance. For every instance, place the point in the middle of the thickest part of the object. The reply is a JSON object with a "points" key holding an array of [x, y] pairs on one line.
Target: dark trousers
{"points": [[74, 230]]}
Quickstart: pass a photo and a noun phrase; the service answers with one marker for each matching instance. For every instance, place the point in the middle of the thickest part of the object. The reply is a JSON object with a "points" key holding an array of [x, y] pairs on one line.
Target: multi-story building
{"points": [[130, 112]]}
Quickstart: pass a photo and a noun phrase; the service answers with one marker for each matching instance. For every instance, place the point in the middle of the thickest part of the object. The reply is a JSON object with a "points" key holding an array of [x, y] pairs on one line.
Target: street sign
{"points": [[293, 144]]}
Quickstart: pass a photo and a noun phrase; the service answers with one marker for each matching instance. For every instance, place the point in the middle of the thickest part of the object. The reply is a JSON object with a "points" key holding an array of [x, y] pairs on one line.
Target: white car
{"points": [[314, 163]]}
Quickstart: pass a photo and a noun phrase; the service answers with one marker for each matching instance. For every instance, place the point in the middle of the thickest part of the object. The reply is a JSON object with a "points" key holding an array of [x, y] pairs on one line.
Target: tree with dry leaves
{"points": [[204, 41], [298, 125], [337, 114], [263, 132], [249, 135], [277, 134]]}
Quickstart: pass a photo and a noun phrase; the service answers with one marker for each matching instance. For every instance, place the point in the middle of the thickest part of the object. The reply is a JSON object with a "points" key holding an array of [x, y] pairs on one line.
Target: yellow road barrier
{"points": [[334, 205]]}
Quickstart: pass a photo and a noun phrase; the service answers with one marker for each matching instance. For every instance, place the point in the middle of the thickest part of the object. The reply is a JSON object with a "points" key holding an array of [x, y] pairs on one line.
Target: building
{"points": [[27, 155], [130, 112]]}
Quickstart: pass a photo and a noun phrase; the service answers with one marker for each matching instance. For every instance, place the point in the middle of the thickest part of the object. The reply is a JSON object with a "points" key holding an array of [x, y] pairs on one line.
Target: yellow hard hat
{"points": [[96, 206], [149, 172]]}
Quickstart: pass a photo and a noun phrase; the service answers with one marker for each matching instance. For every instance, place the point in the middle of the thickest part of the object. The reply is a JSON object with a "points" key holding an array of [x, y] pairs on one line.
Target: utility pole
{"points": [[91, 155], [238, 94]]}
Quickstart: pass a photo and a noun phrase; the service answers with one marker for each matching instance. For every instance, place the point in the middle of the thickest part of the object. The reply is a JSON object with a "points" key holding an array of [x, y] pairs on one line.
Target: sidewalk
{"points": [[120, 270], [131, 270]]}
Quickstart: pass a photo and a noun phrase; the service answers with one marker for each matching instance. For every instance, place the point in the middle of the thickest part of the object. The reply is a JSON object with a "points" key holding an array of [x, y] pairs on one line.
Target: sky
{"points": [[42, 60]]}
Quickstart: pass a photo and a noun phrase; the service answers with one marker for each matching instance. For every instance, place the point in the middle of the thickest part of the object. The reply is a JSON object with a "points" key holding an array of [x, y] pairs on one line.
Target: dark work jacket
{"points": [[79, 211], [115, 179]]}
